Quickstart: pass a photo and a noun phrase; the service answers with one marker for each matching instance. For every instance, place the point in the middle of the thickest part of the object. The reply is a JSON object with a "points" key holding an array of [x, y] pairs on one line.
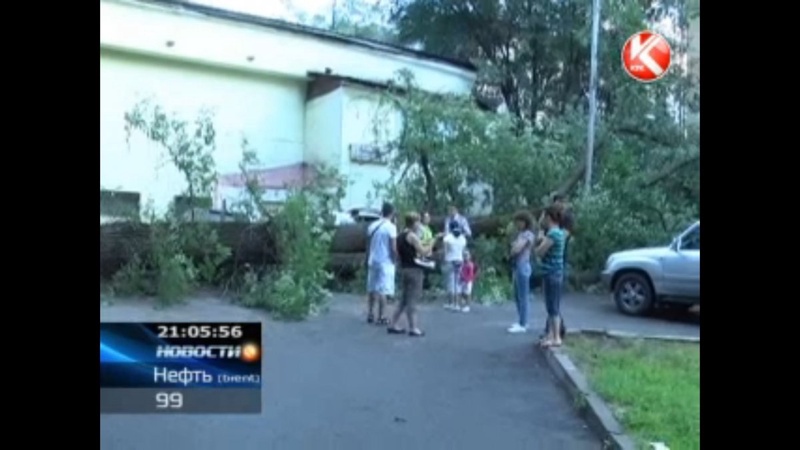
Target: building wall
{"points": [[147, 28], [255, 79], [268, 111], [367, 121], [323, 129]]}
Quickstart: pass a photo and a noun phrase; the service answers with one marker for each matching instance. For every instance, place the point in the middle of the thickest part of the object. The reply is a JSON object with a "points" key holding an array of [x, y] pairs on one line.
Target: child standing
{"points": [[469, 271], [454, 245]]}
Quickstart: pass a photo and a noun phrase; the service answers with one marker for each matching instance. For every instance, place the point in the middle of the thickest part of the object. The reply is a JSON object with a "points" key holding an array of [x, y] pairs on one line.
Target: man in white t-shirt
{"points": [[382, 254], [454, 245]]}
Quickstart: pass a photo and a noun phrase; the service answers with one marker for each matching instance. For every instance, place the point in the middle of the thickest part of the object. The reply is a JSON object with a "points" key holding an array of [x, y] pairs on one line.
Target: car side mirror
{"points": [[675, 245]]}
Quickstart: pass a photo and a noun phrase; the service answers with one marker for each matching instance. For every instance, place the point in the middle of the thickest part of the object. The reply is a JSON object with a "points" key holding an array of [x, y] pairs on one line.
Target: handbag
{"points": [[369, 241], [427, 264]]}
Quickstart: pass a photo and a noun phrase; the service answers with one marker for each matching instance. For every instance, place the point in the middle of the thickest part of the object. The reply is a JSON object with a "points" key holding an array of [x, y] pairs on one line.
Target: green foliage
{"points": [[533, 59], [612, 220], [353, 284], [131, 279], [653, 387], [303, 228], [182, 253], [449, 147], [494, 283], [252, 206], [490, 252], [177, 257], [179, 252], [189, 145], [365, 19], [492, 287]]}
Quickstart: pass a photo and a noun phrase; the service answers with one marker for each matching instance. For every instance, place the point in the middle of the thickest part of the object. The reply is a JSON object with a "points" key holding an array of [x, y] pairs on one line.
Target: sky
{"points": [[277, 9]]}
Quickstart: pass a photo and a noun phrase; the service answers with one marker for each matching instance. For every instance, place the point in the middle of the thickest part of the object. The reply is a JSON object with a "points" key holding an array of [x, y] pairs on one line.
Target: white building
{"points": [[300, 96]]}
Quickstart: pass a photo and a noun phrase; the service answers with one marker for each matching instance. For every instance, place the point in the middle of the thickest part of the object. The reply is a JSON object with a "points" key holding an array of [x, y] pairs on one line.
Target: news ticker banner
{"points": [[180, 368]]}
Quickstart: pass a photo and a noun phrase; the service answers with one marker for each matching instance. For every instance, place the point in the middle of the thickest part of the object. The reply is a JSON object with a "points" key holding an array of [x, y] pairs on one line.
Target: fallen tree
{"points": [[254, 244], [352, 238]]}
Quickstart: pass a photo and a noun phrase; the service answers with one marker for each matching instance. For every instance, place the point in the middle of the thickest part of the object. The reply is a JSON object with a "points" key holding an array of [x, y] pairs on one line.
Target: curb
{"points": [[626, 335], [598, 415]]}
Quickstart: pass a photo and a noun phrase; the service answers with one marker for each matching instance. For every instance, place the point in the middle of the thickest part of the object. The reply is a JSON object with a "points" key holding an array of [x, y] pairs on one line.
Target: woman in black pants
{"points": [[411, 276]]}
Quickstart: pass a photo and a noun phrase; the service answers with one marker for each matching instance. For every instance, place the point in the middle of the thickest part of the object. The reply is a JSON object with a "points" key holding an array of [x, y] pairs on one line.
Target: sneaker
{"points": [[517, 328], [465, 309]]}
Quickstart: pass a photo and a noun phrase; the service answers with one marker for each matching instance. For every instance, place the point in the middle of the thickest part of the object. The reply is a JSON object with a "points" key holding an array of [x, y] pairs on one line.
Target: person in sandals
{"points": [[382, 248], [551, 252], [409, 248]]}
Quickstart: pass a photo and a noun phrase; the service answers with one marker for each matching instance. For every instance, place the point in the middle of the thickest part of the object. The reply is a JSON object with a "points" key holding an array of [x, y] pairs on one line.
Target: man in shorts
{"points": [[382, 254]]}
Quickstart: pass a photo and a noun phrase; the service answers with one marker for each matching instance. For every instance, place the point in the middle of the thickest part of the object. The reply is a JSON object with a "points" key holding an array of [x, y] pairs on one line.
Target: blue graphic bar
{"points": [[187, 355]]}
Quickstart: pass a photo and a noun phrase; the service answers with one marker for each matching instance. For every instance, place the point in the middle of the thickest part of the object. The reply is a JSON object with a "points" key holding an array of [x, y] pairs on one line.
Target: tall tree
{"points": [[534, 54], [367, 19]]}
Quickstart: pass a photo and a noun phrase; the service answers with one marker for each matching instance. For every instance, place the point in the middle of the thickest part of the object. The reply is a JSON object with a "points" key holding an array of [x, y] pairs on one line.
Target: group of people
{"points": [[547, 240], [412, 249]]}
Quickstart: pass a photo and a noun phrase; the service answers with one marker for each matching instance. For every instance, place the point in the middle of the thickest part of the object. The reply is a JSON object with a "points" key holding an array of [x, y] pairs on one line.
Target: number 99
{"points": [[173, 400]]}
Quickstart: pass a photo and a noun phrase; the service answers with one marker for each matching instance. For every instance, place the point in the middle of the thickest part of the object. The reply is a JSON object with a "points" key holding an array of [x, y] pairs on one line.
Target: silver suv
{"points": [[642, 278]]}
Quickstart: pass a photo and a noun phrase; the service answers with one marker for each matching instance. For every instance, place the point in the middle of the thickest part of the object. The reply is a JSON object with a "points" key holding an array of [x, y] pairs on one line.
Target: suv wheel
{"points": [[633, 294]]}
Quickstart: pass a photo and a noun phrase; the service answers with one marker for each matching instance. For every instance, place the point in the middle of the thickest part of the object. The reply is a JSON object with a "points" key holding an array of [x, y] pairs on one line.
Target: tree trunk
{"points": [[249, 243], [254, 244]]}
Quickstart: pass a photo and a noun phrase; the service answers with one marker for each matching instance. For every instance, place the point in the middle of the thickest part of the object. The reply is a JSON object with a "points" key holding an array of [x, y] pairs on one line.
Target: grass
{"points": [[653, 387]]}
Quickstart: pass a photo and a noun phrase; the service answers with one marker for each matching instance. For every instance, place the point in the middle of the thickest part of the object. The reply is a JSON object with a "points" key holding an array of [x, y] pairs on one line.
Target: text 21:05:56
{"points": [[200, 331]]}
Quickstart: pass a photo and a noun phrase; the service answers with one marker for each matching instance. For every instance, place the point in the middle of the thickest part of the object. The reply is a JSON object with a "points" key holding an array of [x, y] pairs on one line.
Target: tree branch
{"points": [[641, 134], [569, 184], [670, 170], [404, 173], [430, 184]]}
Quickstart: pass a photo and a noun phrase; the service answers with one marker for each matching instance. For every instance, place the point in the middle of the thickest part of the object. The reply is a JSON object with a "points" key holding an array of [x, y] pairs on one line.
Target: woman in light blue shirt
{"points": [[521, 269]]}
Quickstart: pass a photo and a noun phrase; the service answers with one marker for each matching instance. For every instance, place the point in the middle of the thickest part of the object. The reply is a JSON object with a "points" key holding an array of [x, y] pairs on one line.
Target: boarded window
{"points": [[119, 204], [182, 204], [369, 154]]}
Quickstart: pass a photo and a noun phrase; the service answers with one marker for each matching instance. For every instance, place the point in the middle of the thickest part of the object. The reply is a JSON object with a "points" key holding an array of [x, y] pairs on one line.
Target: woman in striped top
{"points": [[551, 252]]}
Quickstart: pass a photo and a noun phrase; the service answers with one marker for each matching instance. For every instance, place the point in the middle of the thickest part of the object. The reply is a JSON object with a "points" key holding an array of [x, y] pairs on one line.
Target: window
{"points": [[183, 205], [691, 241], [369, 154], [119, 204]]}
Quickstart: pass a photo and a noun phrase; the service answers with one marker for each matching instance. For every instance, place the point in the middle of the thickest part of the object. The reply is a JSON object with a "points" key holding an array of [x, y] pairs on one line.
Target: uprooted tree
{"points": [[533, 58]]}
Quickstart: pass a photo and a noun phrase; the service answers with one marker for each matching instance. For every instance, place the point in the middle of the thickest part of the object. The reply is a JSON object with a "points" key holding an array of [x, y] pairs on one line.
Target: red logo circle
{"points": [[646, 56]]}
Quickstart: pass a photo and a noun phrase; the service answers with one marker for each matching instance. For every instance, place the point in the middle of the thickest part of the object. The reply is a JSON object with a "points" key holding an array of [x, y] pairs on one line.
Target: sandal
{"points": [[416, 333], [550, 344], [382, 321], [391, 330]]}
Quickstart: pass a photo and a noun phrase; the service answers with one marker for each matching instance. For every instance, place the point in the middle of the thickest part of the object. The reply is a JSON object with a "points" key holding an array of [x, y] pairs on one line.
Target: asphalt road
{"points": [[333, 382]]}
